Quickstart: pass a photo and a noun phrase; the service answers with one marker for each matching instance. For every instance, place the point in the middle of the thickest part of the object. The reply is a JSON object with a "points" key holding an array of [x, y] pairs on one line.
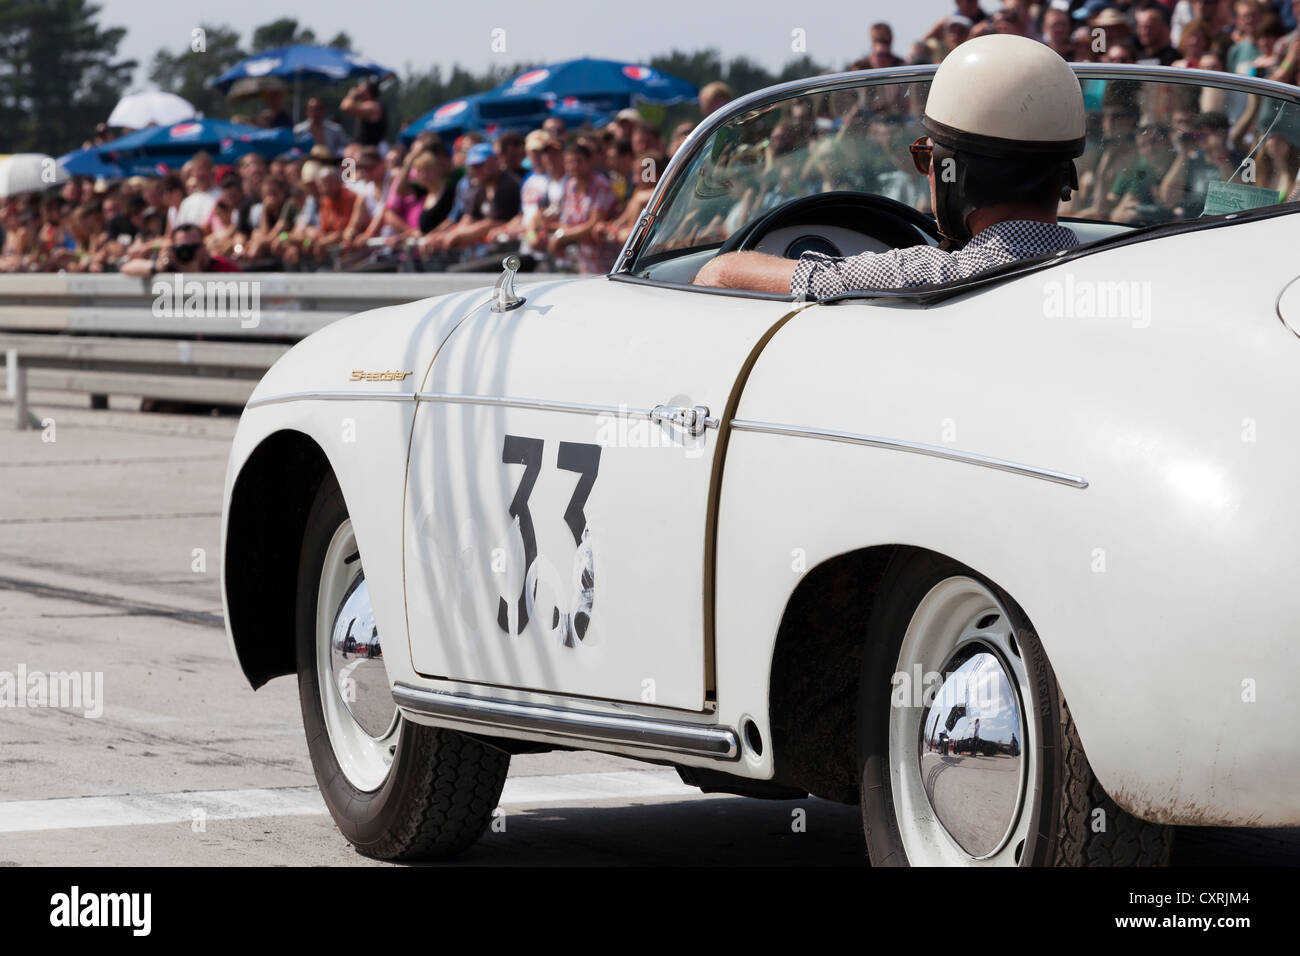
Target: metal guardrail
{"points": [[112, 335]]}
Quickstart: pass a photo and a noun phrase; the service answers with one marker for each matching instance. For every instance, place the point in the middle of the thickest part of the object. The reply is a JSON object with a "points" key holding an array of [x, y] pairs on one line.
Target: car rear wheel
{"points": [[396, 789], [969, 755]]}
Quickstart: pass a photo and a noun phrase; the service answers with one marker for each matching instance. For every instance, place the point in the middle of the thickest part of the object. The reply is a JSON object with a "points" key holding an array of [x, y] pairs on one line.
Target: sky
{"points": [[422, 33]]}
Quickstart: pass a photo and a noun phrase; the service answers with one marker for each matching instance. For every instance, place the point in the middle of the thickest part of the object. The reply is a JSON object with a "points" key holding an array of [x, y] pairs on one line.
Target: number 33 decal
{"points": [[576, 457]]}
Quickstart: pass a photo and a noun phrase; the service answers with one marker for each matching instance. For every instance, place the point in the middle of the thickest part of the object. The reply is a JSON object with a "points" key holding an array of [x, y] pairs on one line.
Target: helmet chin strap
{"points": [[951, 205], [1071, 180]]}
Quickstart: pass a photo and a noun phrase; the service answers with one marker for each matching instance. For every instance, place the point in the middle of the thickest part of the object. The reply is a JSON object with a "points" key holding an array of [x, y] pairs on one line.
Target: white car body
{"points": [[1128, 478]]}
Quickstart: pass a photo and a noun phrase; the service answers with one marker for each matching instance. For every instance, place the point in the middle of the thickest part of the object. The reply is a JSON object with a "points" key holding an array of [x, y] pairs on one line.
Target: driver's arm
{"points": [[748, 270]]}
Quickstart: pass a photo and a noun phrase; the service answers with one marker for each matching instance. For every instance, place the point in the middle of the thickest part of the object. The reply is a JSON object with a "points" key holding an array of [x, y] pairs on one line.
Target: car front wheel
{"points": [[396, 789], [969, 755]]}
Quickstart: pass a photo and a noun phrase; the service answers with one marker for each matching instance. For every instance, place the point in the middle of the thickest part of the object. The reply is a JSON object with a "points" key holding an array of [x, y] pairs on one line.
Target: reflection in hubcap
{"points": [[970, 751], [357, 664]]}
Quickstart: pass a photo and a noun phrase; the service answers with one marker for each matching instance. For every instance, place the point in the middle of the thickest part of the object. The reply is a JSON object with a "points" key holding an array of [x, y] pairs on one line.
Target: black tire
{"points": [[1065, 793], [439, 795]]}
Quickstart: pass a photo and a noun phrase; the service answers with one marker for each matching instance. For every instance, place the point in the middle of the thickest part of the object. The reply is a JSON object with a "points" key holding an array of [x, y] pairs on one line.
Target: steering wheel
{"points": [[894, 223]]}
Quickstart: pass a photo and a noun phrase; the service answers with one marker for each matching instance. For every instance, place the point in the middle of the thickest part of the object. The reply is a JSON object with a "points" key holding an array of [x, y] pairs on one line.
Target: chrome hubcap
{"points": [[357, 664], [360, 716], [971, 751], [961, 747]]}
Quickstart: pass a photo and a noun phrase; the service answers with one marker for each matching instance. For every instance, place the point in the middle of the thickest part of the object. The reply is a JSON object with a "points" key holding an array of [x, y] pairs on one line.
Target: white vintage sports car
{"points": [[866, 548]]}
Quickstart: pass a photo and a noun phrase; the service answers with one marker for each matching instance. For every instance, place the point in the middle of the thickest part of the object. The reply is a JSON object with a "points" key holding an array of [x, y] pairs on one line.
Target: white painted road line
{"points": [[142, 809]]}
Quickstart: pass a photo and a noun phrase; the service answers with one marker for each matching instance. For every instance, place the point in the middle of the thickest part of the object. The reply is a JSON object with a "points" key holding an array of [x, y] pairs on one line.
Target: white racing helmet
{"points": [[1008, 112]]}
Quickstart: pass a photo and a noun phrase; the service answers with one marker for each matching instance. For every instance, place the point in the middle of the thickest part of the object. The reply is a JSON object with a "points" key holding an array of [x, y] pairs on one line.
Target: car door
{"points": [[557, 498]]}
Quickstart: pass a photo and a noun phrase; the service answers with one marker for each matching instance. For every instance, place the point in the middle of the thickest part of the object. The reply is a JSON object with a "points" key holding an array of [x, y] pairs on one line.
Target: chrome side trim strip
{"points": [[340, 395], [567, 725], [915, 448], [577, 408]]}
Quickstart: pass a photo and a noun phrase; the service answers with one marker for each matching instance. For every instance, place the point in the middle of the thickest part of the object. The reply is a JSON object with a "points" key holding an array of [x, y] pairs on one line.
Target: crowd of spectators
{"points": [[567, 199]]}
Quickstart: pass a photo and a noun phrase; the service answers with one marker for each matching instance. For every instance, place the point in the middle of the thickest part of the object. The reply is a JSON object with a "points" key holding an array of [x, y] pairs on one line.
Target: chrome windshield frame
{"points": [[861, 79]]}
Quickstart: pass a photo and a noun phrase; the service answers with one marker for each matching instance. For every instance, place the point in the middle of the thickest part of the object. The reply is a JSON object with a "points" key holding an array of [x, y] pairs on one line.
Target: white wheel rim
{"points": [[947, 619], [364, 759]]}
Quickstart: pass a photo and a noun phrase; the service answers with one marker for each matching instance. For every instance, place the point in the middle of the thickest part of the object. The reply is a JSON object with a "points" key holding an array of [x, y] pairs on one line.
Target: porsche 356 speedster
{"points": [[1011, 562]]}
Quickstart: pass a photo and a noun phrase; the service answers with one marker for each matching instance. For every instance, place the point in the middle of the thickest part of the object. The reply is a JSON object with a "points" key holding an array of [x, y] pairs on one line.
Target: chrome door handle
{"points": [[695, 419]]}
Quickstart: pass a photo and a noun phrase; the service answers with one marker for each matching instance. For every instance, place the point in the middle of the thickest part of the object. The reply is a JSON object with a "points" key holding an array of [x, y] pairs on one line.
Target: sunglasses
{"points": [[921, 151]]}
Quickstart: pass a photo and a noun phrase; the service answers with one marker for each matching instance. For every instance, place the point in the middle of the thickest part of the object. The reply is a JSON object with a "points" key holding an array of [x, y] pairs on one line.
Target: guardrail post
{"points": [[16, 385]]}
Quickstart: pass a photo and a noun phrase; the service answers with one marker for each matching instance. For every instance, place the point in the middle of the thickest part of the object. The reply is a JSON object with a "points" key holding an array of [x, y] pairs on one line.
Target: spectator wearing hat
{"points": [[968, 10], [542, 188], [335, 206], [1115, 27], [460, 151], [628, 119], [323, 132]]}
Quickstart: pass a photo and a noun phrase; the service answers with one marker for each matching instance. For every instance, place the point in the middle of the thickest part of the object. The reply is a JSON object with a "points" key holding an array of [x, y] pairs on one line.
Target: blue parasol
{"points": [[493, 114], [602, 85], [144, 151]]}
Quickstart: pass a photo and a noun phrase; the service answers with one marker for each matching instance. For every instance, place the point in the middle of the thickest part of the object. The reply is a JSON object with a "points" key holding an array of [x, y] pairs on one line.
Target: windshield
{"points": [[1156, 152]]}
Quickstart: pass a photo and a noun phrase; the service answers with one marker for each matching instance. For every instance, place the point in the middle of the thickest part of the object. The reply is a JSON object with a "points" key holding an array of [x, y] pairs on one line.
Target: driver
{"points": [[1005, 121]]}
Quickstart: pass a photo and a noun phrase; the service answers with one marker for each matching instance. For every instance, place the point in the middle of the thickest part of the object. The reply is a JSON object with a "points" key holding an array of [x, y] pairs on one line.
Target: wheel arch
{"points": [[265, 519], [816, 668]]}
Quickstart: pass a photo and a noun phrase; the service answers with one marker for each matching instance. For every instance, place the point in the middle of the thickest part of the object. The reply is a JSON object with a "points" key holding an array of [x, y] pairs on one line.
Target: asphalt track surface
{"points": [[99, 532]]}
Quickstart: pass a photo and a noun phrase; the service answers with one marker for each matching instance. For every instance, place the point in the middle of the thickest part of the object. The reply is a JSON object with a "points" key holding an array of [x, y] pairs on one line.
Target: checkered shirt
{"points": [[819, 276]]}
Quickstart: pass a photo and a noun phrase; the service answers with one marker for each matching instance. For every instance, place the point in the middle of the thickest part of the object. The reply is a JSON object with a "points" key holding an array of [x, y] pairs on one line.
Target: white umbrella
{"points": [[29, 173], [152, 108]]}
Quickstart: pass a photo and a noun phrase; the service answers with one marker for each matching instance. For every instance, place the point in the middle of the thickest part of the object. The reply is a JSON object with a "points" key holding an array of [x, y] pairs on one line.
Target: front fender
{"points": [[361, 427]]}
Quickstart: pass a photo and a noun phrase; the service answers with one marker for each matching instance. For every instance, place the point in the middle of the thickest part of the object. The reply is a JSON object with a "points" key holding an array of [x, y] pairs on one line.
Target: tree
{"points": [[417, 93], [59, 73], [284, 33], [188, 72]]}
